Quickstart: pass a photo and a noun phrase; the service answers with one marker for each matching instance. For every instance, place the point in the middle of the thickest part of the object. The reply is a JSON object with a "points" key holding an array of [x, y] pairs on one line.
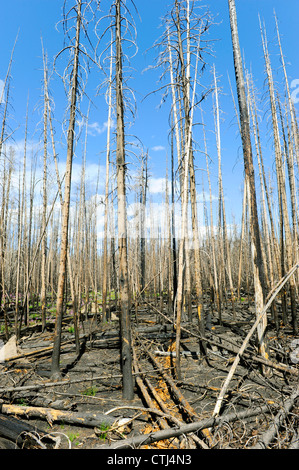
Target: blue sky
{"points": [[31, 19]]}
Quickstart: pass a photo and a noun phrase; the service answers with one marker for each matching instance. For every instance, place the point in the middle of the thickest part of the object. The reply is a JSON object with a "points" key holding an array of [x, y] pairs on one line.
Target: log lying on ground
{"points": [[17, 434], [183, 403], [52, 415], [7, 444], [259, 318], [177, 393], [295, 441], [66, 347], [194, 427], [271, 432], [143, 388], [59, 383], [107, 339]]}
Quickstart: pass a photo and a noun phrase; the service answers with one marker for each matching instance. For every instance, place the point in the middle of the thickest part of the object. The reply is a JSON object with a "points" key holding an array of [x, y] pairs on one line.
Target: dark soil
{"points": [[93, 381]]}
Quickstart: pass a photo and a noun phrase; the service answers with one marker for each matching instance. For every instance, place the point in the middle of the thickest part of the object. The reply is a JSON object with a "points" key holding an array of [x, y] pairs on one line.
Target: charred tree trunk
{"points": [[125, 326]]}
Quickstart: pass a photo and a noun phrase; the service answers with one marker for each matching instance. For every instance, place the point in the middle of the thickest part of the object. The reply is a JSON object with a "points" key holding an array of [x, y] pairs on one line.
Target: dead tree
{"points": [[257, 259], [108, 156], [44, 215], [184, 58], [282, 197], [125, 326], [73, 89]]}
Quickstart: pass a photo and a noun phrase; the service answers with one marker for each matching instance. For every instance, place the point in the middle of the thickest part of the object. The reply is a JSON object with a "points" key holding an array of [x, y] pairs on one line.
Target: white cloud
{"points": [[96, 128], [201, 197], [158, 148], [157, 185]]}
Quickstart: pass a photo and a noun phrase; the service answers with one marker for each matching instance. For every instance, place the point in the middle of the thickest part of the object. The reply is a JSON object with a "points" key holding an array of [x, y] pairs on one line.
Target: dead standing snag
{"points": [[257, 258], [73, 93]]}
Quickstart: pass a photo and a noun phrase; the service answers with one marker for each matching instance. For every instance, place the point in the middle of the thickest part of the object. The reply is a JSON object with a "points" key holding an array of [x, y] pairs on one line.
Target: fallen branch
{"points": [[295, 442], [21, 434], [144, 391], [281, 367], [194, 427], [62, 382], [56, 384], [40, 352], [52, 415], [180, 397], [260, 360], [160, 402], [271, 432], [275, 291], [183, 403]]}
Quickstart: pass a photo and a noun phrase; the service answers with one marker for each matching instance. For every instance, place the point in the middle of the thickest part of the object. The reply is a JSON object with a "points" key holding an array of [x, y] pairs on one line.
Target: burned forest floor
{"points": [[85, 408]]}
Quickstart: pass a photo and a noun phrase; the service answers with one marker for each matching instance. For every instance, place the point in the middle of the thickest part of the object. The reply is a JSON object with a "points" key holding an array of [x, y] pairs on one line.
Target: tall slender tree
{"points": [[257, 258], [125, 324], [282, 197], [108, 156], [44, 215], [55, 369]]}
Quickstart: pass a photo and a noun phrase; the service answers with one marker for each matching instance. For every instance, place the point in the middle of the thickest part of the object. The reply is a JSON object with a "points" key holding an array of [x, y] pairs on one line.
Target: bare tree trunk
{"points": [[55, 370], [105, 253], [173, 231], [226, 248], [142, 220], [215, 276], [258, 268], [3, 239], [295, 135], [3, 209], [125, 326], [268, 254], [69, 265], [21, 217], [280, 179], [44, 216]]}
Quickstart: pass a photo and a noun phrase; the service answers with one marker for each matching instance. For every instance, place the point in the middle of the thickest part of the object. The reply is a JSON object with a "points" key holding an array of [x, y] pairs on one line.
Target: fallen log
{"points": [[22, 435], [241, 352], [61, 382], [40, 352], [26, 388], [52, 415], [183, 403], [260, 316], [265, 440], [7, 444], [195, 427], [144, 391], [179, 396], [295, 442]]}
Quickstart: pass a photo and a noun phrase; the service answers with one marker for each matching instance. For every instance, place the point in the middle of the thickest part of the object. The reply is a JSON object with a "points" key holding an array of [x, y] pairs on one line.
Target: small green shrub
{"points": [[103, 431], [72, 436], [90, 391]]}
